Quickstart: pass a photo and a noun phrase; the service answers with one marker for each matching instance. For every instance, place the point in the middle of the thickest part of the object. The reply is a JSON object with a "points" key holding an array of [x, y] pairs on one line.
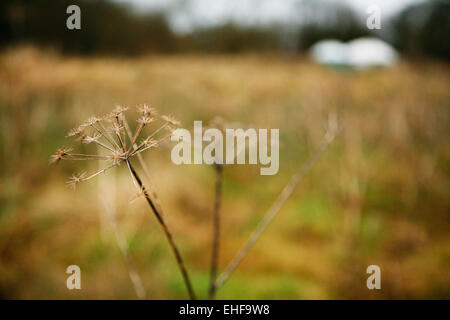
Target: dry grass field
{"points": [[379, 195]]}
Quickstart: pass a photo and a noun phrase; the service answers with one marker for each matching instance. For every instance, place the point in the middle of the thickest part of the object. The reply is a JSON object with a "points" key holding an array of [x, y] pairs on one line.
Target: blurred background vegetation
{"points": [[380, 195]]}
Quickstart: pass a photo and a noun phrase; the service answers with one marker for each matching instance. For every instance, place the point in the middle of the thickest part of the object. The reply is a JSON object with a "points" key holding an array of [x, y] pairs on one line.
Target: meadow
{"points": [[379, 194]]}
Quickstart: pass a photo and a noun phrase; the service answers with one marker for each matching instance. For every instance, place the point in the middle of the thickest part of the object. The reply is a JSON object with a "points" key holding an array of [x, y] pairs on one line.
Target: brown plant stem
{"points": [[216, 231], [166, 231]]}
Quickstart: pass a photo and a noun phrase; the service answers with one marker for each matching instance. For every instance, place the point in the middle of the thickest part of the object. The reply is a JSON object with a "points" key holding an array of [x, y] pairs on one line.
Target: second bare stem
{"points": [[216, 231]]}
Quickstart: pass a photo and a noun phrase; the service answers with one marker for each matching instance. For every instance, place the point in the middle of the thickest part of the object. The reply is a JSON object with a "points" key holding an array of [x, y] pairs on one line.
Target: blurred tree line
{"points": [[424, 29], [105, 27], [110, 28]]}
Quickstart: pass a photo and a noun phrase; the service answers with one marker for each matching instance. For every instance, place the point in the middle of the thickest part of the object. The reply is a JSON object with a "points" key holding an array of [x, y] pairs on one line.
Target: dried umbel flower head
{"points": [[60, 154], [118, 111], [171, 120], [114, 136], [76, 131], [171, 123], [88, 139], [145, 120], [118, 144], [147, 111], [75, 179], [91, 121]]}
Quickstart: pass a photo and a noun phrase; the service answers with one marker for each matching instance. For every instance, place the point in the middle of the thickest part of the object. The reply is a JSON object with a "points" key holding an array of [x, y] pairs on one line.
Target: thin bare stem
{"points": [[144, 166], [86, 155], [277, 205], [158, 130], [166, 231], [142, 149], [103, 145], [137, 151], [102, 134], [134, 180], [84, 158], [136, 135], [119, 136], [216, 231], [80, 156], [139, 147], [100, 171], [108, 136]]}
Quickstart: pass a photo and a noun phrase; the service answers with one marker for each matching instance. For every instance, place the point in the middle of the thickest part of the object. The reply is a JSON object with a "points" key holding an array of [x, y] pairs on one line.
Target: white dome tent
{"points": [[360, 53], [330, 52]]}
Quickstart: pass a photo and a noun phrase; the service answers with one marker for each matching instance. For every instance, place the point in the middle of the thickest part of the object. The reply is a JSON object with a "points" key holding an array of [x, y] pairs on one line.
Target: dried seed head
{"points": [[145, 120], [75, 179], [147, 111], [149, 142], [117, 128], [81, 136], [75, 131], [114, 144], [171, 120], [118, 111], [91, 121], [60, 154], [88, 139]]}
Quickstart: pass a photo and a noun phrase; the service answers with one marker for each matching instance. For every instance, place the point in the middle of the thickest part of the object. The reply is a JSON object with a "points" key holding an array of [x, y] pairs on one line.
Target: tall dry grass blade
{"points": [[280, 201]]}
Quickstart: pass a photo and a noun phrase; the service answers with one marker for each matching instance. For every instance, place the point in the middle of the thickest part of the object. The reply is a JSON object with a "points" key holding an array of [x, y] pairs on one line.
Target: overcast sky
{"points": [[184, 14]]}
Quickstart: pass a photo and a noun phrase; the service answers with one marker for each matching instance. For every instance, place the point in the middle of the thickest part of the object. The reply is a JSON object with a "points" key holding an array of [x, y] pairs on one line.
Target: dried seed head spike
{"points": [[118, 111], [75, 179], [117, 150], [89, 139], [91, 121], [149, 142], [60, 154], [171, 120], [117, 128], [108, 117], [75, 131], [81, 136], [147, 111], [145, 120]]}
